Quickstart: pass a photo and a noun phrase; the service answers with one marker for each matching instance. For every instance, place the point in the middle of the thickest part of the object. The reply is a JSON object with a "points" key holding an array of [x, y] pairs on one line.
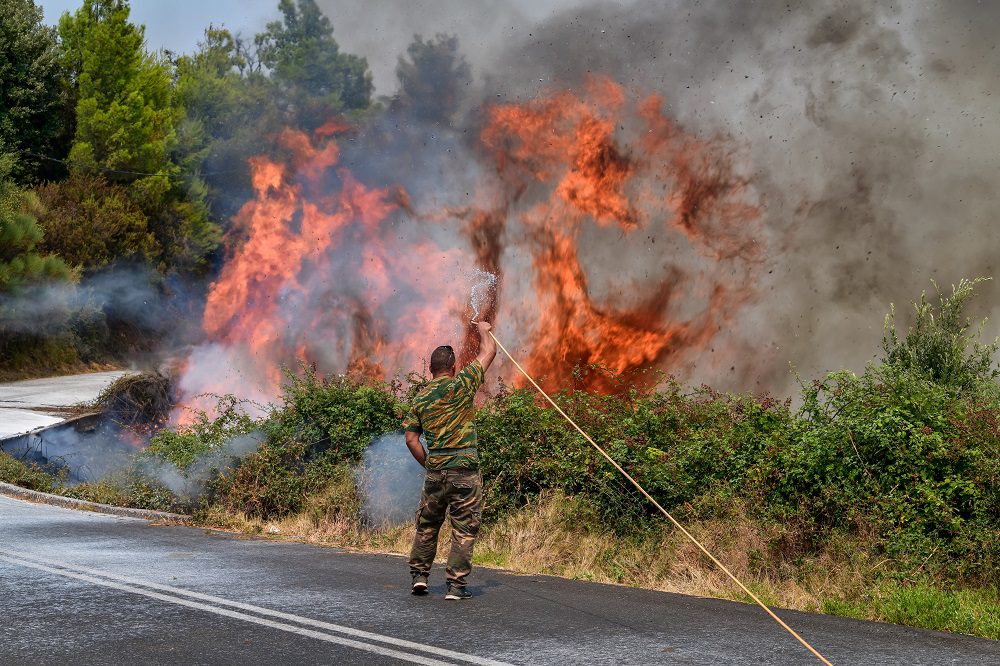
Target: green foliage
{"points": [[230, 114], [941, 343], [323, 422], [20, 262], [126, 126], [92, 223], [124, 118], [128, 487], [433, 79], [184, 446], [30, 86], [26, 475], [313, 79], [28, 341], [682, 448], [891, 454]]}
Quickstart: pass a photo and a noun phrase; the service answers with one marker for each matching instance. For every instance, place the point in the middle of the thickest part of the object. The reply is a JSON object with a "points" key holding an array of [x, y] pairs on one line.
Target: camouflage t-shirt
{"points": [[443, 411]]}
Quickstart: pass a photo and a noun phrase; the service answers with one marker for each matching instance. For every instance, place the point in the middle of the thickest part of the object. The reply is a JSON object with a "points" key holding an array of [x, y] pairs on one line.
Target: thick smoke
{"points": [[389, 481], [867, 133], [84, 450], [868, 129]]}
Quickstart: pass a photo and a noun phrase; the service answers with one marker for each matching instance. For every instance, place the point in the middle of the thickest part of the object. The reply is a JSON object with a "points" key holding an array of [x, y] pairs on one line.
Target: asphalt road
{"points": [[83, 588], [30, 404]]}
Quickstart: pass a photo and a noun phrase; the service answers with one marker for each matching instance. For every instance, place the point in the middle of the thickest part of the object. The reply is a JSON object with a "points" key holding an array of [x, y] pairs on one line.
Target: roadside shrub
{"points": [[337, 413], [682, 447], [885, 454], [26, 475], [942, 344], [183, 446], [322, 423], [130, 488]]}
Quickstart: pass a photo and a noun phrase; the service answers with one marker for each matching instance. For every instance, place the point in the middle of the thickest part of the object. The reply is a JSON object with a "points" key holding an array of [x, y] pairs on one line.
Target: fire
{"points": [[347, 274], [577, 149]]}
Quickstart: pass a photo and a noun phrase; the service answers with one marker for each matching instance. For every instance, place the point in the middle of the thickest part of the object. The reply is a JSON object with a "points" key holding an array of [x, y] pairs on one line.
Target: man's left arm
{"points": [[412, 428]]}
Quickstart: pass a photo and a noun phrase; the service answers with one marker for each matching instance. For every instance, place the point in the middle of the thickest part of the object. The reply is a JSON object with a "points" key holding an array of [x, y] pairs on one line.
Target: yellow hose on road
{"points": [[662, 510]]}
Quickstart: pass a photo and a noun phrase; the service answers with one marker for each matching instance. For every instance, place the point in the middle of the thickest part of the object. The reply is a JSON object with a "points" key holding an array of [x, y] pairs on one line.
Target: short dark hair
{"points": [[442, 359]]}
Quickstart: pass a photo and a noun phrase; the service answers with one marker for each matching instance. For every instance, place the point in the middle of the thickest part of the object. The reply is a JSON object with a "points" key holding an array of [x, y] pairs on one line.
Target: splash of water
{"points": [[484, 285]]}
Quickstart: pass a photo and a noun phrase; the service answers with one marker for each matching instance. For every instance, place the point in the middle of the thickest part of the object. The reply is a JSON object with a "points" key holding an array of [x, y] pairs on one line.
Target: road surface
{"points": [[84, 588], [34, 403]]}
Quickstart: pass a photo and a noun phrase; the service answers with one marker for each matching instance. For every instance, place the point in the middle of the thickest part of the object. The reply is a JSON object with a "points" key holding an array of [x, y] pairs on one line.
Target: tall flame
{"points": [[348, 275]]}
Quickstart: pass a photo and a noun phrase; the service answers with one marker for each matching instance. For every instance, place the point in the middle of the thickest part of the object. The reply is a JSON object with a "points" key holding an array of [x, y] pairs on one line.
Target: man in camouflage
{"points": [[443, 412]]}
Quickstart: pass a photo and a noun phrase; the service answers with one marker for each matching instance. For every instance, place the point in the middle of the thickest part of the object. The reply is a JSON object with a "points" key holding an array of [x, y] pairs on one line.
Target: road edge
{"points": [[18, 492]]}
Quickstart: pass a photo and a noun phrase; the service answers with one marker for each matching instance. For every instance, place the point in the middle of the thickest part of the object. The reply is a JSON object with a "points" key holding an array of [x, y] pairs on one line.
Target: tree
{"points": [[433, 79], [314, 80], [124, 119], [92, 223], [20, 262], [126, 129], [30, 89], [229, 116]]}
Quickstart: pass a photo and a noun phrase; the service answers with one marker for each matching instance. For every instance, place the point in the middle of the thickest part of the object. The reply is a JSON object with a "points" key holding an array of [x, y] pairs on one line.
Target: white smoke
{"points": [[189, 483], [389, 480]]}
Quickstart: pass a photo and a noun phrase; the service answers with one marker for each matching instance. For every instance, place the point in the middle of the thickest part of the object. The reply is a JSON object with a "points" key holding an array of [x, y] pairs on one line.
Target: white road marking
{"points": [[128, 584]]}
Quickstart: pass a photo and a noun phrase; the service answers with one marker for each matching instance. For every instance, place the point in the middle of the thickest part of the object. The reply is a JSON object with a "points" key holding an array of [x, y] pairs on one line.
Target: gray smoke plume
{"points": [[389, 480], [44, 308], [869, 130]]}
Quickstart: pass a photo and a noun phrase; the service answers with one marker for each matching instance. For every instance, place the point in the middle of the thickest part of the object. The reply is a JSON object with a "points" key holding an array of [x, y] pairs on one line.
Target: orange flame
{"points": [[325, 275]]}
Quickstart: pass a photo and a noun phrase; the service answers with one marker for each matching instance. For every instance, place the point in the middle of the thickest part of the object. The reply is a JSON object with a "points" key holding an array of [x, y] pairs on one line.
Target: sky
{"points": [[178, 25]]}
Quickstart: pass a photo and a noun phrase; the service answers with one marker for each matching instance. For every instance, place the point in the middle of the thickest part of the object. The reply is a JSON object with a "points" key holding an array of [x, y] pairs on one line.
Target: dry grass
{"points": [[549, 538]]}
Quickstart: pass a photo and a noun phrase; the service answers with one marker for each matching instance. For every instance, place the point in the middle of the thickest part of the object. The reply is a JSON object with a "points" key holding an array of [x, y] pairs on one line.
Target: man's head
{"points": [[443, 361]]}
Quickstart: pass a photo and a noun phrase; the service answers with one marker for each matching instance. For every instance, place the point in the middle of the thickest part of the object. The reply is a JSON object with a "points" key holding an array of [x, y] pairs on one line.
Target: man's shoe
{"points": [[419, 585], [456, 593]]}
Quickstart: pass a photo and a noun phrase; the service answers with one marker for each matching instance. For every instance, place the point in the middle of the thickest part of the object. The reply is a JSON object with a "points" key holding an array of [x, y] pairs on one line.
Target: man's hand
{"points": [[487, 345]]}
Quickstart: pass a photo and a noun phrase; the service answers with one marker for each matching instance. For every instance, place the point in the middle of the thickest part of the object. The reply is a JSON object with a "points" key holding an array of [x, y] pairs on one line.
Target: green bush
{"points": [[942, 344], [183, 446], [92, 223], [323, 422], [890, 453], [128, 487], [26, 475]]}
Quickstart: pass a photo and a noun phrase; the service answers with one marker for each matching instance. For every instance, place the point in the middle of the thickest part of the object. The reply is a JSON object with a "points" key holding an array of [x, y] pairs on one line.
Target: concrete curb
{"points": [[83, 505]]}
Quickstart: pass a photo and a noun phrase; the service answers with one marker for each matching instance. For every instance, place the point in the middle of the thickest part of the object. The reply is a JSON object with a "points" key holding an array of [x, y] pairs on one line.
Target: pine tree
{"points": [[20, 234], [126, 128], [314, 80], [432, 79], [30, 89]]}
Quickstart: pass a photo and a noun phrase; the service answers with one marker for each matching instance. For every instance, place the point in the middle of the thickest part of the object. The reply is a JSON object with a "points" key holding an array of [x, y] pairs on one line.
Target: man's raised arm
{"points": [[487, 345]]}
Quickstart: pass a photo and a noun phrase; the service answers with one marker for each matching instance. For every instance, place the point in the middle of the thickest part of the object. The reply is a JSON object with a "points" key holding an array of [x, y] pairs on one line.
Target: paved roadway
{"points": [[18, 399], [83, 588]]}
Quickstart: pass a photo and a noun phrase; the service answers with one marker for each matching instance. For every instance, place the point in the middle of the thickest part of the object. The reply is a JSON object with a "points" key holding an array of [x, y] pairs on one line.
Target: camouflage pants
{"points": [[459, 492]]}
